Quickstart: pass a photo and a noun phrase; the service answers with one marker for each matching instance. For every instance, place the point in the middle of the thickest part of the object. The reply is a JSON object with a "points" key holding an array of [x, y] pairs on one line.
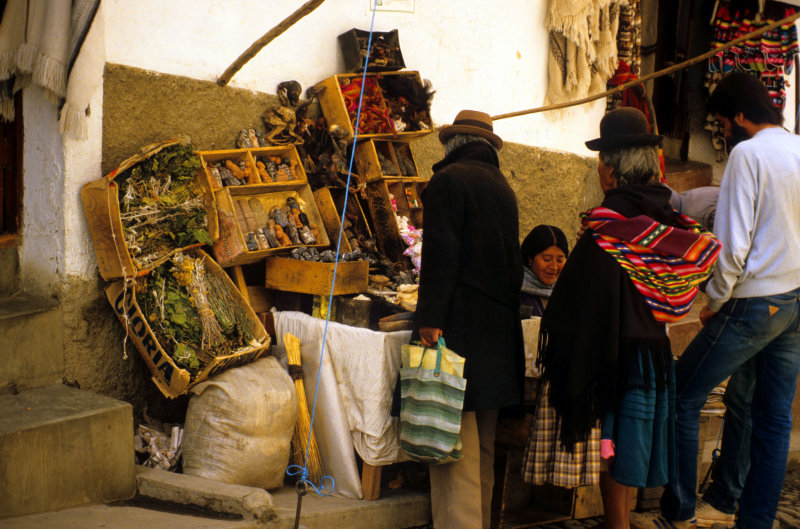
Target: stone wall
{"points": [[142, 107]]}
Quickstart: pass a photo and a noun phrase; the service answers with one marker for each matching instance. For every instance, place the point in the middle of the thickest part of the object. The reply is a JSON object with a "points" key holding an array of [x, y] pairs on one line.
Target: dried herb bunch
{"points": [[162, 205], [192, 312]]}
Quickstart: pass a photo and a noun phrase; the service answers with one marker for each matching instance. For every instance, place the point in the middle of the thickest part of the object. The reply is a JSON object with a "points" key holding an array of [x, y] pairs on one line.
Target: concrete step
{"points": [[682, 176], [166, 500], [31, 334], [62, 447]]}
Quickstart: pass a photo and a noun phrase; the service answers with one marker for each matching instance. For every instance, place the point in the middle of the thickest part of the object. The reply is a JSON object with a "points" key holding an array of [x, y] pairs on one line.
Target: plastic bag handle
{"points": [[439, 346]]}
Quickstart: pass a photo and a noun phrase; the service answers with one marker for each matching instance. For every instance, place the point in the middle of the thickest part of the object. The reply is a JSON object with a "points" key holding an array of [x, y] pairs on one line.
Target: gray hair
{"points": [[633, 165], [457, 140]]}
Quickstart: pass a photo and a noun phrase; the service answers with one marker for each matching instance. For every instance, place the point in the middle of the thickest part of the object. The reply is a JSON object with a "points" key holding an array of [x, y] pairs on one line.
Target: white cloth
{"points": [[758, 219], [583, 49], [38, 39], [365, 364]]}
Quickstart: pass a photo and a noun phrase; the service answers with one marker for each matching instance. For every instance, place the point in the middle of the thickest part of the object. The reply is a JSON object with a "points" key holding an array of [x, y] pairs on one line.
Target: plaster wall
{"points": [[41, 253], [484, 55]]}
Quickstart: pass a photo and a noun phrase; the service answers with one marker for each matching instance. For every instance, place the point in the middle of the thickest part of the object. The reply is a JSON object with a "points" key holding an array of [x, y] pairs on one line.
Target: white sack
{"points": [[239, 426]]}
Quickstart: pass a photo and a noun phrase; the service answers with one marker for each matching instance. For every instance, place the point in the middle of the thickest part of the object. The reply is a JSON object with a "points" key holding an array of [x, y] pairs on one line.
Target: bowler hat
{"points": [[623, 127], [472, 122]]}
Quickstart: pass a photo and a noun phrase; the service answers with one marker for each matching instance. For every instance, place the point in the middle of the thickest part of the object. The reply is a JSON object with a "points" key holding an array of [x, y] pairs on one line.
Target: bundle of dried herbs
{"points": [[192, 312], [162, 205]]}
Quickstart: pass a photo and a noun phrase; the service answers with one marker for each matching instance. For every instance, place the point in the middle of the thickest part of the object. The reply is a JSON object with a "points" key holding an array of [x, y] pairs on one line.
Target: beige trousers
{"points": [[461, 492]]}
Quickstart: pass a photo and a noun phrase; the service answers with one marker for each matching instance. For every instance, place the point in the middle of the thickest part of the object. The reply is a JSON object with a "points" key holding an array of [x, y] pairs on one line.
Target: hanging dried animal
{"points": [[281, 120]]}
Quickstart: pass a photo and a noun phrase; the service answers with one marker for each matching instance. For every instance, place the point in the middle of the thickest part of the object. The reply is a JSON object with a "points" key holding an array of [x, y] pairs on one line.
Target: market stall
{"points": [[306, 230]]}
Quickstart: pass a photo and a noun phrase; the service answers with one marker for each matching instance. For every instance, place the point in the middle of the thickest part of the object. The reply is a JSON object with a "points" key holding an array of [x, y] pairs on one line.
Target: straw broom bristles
{"points": [[301, 437]]}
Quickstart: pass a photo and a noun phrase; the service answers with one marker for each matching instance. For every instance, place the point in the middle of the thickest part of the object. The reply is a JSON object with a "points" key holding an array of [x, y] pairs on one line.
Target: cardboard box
{"points": [[171, 379], [230, 249], [398, 161], [336, 112], [312, 277], [249, 157], [101, 205]]}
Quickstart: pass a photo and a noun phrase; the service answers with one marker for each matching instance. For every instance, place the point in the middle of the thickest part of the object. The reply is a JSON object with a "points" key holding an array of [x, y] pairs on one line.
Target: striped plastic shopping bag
{"points": [[431, 400]]}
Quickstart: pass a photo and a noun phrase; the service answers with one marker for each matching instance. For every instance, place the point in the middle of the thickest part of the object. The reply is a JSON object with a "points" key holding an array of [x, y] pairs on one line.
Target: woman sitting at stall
{"points": [[544, 252], [604, 351]]}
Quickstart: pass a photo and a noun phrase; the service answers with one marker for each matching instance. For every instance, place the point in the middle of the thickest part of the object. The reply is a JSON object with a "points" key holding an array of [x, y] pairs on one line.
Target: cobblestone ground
{"points": [[788, 510]]}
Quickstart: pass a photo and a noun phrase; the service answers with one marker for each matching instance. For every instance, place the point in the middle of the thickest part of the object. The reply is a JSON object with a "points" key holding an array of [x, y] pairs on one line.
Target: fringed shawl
{"points": [[583, 49]]}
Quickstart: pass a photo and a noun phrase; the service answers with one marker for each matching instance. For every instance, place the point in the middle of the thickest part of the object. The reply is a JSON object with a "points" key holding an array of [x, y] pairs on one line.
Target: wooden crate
{"points": [[230, 249], [170, 378], [100, 200], [335, 109], [368, 162], [249, 157], [330, 202], [407, 195], [311, 277]]}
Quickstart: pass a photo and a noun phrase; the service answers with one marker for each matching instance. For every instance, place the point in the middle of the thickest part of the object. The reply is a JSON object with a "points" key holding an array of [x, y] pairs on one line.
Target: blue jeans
{"points": [[730, 469], [767, 330]]}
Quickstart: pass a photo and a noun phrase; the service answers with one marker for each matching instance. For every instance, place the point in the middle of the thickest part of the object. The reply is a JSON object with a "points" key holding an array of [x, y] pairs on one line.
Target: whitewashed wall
{"points": [[478, 54], [484, 55]]}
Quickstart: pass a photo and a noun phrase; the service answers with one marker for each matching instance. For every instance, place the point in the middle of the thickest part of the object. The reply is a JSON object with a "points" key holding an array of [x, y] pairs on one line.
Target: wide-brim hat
{"points": [[623, 127], [472, 122]]}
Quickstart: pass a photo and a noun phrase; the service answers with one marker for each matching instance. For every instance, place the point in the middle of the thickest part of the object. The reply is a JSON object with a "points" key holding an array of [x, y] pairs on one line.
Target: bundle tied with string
{"points": [[302, 442]]}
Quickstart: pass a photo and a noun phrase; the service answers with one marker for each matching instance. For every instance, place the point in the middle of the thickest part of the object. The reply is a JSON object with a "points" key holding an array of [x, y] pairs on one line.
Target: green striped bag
{"points": [[431, 399]]}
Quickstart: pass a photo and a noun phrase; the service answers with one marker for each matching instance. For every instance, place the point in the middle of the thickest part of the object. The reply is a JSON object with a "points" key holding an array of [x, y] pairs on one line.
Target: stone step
{"points": [[682, 176], [63, 447], [31, 331]]}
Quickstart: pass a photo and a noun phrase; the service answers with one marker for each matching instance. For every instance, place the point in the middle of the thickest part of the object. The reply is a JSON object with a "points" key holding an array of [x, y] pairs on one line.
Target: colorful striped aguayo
{"points": [[431, 401], [665, 263]]}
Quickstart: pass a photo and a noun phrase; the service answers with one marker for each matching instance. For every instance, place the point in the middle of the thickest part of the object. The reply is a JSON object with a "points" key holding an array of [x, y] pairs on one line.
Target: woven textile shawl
{"points": [[664, 263], [583, 50]]}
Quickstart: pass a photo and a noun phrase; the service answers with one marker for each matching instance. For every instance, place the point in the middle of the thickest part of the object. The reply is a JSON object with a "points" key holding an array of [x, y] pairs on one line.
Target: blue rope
{"points": [[302, 471]]}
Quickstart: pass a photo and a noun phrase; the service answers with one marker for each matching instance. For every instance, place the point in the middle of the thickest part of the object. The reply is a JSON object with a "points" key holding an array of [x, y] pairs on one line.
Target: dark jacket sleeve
{"points": [[441, 247]]}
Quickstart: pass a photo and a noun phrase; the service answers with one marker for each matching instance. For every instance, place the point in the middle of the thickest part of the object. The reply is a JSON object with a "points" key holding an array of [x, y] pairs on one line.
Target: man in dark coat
{"points": [[469, 294]]}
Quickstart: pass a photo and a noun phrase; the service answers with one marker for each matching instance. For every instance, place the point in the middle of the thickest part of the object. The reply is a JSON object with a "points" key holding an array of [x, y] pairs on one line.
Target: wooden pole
{"points": [[268, 37], [654, 75]]}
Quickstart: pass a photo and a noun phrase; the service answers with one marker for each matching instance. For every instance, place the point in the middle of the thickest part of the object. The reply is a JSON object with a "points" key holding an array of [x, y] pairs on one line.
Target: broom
{"points": [[301, 438]]}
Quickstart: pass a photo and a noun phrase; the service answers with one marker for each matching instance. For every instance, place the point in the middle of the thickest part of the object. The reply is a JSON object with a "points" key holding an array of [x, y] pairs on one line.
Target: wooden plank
{"points": [[371, 482], [261, 299], [7, 241], [310, 277], [331, 219], [238, 279]]}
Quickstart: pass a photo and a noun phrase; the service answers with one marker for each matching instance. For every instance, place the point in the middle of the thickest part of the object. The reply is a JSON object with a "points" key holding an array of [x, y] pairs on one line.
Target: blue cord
{"points": [[294, 470]]}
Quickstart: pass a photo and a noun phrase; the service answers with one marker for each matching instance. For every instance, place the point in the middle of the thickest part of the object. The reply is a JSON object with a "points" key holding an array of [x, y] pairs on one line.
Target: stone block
{"points": [[62, 447]]}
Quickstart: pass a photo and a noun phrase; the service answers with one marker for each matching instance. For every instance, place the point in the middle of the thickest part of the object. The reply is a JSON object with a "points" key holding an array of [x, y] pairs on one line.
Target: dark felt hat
{"points": [[623, 127], [472, 122]]}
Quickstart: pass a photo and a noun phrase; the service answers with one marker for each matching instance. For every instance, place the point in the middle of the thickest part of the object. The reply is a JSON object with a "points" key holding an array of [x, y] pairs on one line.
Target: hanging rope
{"points": [[674, 68], [303, 482]]}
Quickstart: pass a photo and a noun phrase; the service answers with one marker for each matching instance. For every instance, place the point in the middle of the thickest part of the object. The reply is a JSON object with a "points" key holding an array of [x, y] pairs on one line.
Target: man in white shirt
{"points": [[753, 313]]}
